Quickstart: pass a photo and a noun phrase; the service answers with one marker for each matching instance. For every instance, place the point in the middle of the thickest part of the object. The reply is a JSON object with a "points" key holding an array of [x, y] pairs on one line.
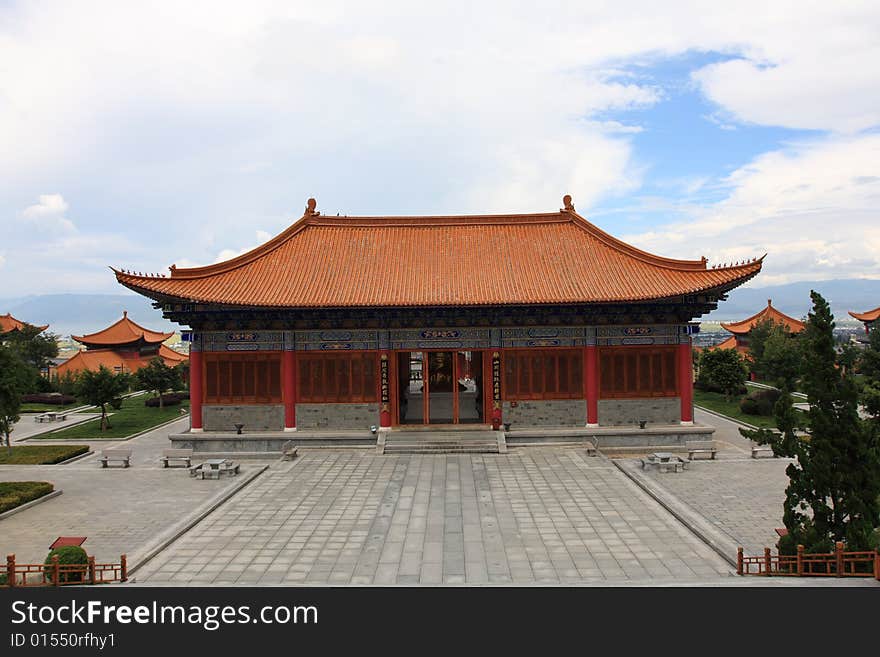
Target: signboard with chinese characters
{"points": [[496, 380], [383, 383]]}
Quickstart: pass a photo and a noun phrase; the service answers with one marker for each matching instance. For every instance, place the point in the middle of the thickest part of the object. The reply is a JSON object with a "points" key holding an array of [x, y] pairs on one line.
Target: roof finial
{"points": [[566, 202], [124, 314], [311, 204], [769, 302]]}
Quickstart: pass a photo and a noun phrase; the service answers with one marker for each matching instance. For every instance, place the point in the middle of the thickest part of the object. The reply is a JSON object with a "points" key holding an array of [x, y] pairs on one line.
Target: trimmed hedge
{"points": [[55, 398], [169, 399], [16, 493], [40, 454]]}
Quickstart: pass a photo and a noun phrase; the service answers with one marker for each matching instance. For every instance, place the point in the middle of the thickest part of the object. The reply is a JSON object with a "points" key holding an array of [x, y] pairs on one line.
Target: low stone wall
{"points": [[336, 416], [254, 417], [627, 412], [547, 413]]}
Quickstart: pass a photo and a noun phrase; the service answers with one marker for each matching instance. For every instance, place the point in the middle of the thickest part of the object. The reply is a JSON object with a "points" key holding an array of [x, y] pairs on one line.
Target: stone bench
{"points": [[761, 449], [176, 455], [677, 463], [701, 447], [112, 455]]}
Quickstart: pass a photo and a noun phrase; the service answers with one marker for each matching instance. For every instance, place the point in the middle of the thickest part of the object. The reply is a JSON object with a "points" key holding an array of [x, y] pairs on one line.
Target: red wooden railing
{"points": [[57, 574], [831, 564]]}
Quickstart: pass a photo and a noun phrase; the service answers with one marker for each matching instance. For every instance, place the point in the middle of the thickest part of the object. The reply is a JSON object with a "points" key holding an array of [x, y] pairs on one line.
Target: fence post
{"points": [[56, 575], [739, 561], [768, 564], [10, 570], [877, 565], [838, 551], [91, 570], [800, 559], [123, 567]]}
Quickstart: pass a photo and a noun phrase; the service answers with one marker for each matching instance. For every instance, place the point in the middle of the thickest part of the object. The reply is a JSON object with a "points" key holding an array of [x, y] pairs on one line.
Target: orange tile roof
{"points": [[92, 359], [730, 343], [122, 332], [9, 323], [771, 313], [551, 258], [867, 316]]}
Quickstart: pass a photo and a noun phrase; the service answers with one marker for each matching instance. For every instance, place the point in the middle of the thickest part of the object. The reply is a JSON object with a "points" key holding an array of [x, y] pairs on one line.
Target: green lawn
{"points": [[16, 493], [715, 401], [132, 418], [42, 408], [40, 454]]}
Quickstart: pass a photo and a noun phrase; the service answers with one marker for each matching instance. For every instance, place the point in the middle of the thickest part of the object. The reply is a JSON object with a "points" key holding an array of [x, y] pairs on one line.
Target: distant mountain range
{"points": [[793, 299], [86, 313]]}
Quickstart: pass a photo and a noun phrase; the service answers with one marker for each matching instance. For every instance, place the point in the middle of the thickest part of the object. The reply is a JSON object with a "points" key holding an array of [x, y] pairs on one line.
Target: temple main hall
{"points": [[515, 320]]}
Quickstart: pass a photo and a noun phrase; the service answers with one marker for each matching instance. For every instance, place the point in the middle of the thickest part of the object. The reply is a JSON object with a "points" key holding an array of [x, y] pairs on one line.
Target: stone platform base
{"points": [[659, 437], [265, 444]]}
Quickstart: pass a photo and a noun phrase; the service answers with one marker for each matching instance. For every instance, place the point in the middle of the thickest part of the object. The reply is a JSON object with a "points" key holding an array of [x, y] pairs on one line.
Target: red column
{"points": [[591, 384], [196, 375], [288, 388], [686, 382], [385, 390]]}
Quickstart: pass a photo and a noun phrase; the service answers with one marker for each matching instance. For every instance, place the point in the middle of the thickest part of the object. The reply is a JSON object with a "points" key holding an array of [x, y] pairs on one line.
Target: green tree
{"points": [[869, 367], [157, 376], [34, 348], [66, 383], [757, 339], [834, 482], [102, 388], [778, 361], [724, 370], [14, 379]]}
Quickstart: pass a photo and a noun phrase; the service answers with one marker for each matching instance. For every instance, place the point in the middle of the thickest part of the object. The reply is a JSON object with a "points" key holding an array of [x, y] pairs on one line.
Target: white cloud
{"points": [[48, 214], [209, 119], [811, 207]]}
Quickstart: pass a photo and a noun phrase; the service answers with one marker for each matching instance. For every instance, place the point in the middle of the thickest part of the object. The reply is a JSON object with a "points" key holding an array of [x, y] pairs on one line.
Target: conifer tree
{"points": [[834, 481]]}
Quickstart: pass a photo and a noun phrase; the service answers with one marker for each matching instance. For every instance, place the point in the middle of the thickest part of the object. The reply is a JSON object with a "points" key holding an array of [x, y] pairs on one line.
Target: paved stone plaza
{"points": [[119, 510], [740, 496], [535, 515]]}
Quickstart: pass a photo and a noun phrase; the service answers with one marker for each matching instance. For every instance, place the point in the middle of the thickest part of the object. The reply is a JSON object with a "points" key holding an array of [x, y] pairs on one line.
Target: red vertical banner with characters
{"points": [[496, 390], [384, 392]]}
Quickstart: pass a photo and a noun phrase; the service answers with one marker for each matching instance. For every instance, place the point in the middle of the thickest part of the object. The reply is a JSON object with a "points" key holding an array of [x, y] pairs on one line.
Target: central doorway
{"points": [[440, 387]]}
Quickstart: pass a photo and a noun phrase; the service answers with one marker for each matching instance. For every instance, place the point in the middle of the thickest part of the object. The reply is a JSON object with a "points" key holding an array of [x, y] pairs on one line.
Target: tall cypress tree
{"points": [[834, 482]]}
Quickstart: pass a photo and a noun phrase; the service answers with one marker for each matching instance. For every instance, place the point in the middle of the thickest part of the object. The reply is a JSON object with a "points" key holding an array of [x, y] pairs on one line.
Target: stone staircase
{"points": [[441, 442]]}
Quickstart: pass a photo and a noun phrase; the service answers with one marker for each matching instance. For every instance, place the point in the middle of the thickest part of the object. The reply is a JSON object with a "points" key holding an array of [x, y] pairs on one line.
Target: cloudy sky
{"points": [[144, 134]]}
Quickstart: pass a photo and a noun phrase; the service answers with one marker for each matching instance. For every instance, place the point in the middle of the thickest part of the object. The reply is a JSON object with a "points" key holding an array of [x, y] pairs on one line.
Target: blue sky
{"points": [[141, 136]]}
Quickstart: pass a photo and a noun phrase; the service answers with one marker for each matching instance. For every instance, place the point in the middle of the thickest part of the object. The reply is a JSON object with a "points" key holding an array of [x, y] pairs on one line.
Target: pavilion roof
{"points": [[548, 258], [867, 316], [9, 323], [93, 359], [769, 312], [731, 343], [122, 332]]}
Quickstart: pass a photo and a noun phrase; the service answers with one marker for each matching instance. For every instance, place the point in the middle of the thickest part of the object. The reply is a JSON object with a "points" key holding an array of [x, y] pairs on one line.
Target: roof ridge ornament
{"points": [[567, 204], [311, 204]]}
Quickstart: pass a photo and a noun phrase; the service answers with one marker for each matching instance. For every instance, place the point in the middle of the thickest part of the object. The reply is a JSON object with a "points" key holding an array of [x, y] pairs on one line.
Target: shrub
{"points": [[168, 399], [68, 555], [48, 398], [16, 493], [760, 402]]}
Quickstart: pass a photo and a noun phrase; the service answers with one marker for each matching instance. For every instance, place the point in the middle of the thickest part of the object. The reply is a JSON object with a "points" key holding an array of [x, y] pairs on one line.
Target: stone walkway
{"points": [[536, 515], [120, 510], [741, 496]]}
